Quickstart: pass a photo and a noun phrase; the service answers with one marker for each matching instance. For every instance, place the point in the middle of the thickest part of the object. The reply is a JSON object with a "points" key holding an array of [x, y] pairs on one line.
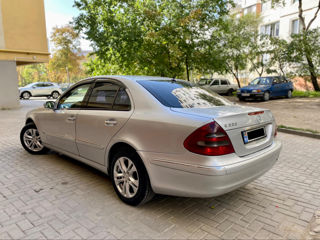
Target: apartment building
{"points": [[280, 20]]}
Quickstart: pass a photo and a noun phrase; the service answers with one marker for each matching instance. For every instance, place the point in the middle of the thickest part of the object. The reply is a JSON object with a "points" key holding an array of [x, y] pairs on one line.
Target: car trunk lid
{"points": [[249, 129]]}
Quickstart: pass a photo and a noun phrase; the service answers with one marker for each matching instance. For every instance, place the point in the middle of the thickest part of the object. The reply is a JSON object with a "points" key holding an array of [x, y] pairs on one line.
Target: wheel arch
{"points": [[24, 92], [30, 120], [115, 147]]}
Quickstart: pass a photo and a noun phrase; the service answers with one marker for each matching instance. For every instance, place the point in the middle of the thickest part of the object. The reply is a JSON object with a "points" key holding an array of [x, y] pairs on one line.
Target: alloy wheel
{"points": [[126, 177], [55, 95], [26, 95], [32, 140]]}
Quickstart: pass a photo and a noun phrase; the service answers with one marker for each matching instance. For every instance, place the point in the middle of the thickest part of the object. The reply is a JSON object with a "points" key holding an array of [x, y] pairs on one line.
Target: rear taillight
{"points": [[209, 139]]}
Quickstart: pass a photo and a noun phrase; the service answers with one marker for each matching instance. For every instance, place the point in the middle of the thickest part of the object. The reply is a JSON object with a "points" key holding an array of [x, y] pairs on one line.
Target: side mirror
{"points": [[33, 86], [49, 105]]}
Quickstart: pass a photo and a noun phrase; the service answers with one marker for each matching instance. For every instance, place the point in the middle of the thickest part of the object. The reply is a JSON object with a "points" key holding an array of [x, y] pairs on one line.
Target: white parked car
{"points": [[156, 135], [221, 86], [40, 89]]}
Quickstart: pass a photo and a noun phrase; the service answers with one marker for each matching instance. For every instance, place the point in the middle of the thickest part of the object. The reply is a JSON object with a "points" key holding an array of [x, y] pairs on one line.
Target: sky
{"points": [[59, 13]]}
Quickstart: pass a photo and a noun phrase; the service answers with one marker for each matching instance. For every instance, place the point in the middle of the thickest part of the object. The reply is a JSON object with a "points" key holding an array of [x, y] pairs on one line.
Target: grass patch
{"points": [[307, 94], [299, 129]]}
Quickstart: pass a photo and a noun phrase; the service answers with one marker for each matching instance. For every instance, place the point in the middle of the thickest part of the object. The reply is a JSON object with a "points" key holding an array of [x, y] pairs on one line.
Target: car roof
{"points": [[134, 77]]}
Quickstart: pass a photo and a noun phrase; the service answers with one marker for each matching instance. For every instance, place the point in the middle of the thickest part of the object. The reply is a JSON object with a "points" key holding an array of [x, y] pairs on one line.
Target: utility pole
{"points": [[68, 76]]}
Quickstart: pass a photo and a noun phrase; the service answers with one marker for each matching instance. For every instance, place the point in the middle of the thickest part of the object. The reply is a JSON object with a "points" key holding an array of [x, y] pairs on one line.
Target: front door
{"points": [[58, 126], [108, 109], [276, 87], [38, 89]]}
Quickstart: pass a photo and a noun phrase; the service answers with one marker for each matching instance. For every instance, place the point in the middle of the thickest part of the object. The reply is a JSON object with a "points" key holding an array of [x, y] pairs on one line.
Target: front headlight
{"points": [[238, 90]]}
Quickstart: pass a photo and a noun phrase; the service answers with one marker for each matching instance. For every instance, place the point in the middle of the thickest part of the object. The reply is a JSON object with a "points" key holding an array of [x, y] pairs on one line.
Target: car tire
{"points": [[30, 140], [241, 99], [132, 187], [289, 94], [266, 96], [230, 91], [26, 95], [55, 94]]}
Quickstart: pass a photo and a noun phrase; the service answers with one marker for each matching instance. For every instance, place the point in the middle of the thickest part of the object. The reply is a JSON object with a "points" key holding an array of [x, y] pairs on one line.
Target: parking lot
{"points": [[53, 196], [294, 112]]}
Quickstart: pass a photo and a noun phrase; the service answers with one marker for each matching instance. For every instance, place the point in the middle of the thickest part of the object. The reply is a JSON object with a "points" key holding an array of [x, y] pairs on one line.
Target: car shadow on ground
{"points": [[210, 203]]}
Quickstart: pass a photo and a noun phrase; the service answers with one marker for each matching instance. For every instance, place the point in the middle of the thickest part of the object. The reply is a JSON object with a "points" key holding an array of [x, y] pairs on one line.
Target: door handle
{"points": [[71, 119], [110, 122]]}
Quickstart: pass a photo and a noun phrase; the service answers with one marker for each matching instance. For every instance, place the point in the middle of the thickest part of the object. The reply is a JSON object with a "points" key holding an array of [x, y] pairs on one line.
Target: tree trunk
{"points": [[187, 68], [313, 74]]}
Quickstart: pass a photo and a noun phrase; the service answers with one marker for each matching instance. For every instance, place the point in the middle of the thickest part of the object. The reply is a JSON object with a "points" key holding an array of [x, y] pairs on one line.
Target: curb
{"points": [[299, 133]]}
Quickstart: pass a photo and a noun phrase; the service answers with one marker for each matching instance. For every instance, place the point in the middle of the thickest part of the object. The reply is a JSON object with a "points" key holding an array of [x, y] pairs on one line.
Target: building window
{"points": [[295, 26], [251, 9], [270, 29]]}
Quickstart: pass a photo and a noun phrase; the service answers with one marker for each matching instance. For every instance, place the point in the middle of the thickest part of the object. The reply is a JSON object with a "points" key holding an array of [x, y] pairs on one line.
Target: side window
{"points": [[276, 80], [74, 98], [215, 83], [224, 82], [122, 101], [103, 96]]}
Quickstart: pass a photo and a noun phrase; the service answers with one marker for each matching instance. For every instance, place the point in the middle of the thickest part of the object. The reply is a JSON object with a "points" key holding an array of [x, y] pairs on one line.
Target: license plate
{"points": [[253, 135], [245, 94]]}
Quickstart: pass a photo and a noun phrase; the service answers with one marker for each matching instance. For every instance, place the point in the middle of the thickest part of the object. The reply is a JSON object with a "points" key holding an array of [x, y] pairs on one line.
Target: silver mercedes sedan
{"points": [[156, 135]]}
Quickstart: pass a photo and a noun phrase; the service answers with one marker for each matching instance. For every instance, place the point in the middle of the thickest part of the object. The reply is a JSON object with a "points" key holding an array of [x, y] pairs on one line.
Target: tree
{"points": [[281, 56], [307, 44], [154, 37], [232, 43], [33, 73], [65, 62], [257, 49], [303, 40]]}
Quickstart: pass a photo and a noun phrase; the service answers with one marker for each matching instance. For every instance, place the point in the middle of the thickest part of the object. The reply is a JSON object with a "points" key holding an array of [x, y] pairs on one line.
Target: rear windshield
{"points": [[182, 94]]}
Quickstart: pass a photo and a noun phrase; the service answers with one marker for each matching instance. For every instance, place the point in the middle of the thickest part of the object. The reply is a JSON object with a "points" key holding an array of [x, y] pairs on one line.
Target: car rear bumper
{"points": [[189, 180]]}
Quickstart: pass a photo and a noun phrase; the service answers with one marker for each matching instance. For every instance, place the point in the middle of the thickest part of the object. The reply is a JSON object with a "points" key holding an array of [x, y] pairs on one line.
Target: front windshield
{"points": [[262, 81], [182, 94]]}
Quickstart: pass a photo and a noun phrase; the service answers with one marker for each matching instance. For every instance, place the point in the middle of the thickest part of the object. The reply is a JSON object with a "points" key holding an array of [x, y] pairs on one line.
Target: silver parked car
{"points": [[156, 135], [221, 86], [40, 89]]}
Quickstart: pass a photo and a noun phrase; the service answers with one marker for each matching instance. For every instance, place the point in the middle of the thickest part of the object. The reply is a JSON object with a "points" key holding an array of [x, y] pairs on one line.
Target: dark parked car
{"points": [[266, 88]]}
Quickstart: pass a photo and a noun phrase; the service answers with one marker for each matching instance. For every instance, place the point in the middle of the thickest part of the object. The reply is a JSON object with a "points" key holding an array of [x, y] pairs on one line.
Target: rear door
{"points": [[224, 86], [109, 107], [285, 86], [48, 88]]}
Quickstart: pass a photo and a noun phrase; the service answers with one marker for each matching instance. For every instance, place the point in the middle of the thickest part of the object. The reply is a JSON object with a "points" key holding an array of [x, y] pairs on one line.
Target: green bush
{"points": [[309, 94]]}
